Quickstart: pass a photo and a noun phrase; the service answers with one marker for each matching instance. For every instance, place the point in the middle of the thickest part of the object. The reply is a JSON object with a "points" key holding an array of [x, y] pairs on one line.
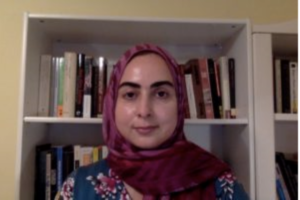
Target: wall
{"points": [[11, 16]]}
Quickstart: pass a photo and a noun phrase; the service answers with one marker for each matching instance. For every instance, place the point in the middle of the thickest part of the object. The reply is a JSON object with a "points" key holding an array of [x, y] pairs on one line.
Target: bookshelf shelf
{"points": [[57, 120], [286, 117]]}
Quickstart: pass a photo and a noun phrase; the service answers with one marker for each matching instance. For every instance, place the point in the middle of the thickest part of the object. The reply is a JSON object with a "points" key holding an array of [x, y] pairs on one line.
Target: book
{"points": [[294, 87], [224, 77], [214, 88], [61, 72], [191, 96], [69, 84], [186, 105], [44, 85], [206, 88], [41, 152], [79, 85], [285, 86], [231, 72], [87, 91], [101, 63], [277, 86], [54, 87]]}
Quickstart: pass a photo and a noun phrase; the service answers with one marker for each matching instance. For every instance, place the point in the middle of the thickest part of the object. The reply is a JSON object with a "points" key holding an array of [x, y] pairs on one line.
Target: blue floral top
{"points": [[99, 182]]}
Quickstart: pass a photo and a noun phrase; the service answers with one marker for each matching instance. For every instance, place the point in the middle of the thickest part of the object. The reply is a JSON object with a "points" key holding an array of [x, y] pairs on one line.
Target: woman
{"points": [[149, 156]]}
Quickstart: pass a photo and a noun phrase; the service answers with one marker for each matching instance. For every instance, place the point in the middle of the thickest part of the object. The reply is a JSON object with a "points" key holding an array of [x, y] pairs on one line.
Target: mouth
{"points": [[145, 130]]}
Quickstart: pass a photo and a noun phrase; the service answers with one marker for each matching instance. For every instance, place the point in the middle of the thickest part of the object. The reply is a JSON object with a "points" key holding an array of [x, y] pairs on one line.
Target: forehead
{"points": [[147, 67]]}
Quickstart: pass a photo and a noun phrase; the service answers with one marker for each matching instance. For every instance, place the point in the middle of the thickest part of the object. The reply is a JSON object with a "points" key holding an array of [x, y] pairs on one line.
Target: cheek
{"points": [[123, 114]]}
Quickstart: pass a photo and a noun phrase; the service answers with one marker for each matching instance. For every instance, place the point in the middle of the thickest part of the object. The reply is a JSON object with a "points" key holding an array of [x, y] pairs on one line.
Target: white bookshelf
{"points": [[273, 131], [232, 140]]}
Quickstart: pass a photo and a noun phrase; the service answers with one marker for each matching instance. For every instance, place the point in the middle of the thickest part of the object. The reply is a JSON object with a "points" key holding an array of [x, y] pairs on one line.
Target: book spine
{"points": [[231, 68], [69, 84], [102, 65], [95, 88], [104, 152], [218, 85], [197, 86], [190, 94], [206, 89], [68, 161], [79, 85], [87, 97], [86, 156], [60, 87], [44, 85], [293, 86], [53, 173], [59, 156], [285, 86], [76, 156], [223, 63], [279, 176], [213, 84], [48, 176], [278, 94], [95, 154], [286, 176], [53, 88]]}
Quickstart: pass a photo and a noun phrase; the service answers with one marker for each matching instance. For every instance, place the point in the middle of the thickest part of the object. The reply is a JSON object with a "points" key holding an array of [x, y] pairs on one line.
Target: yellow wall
{"points": [[11, 13]]}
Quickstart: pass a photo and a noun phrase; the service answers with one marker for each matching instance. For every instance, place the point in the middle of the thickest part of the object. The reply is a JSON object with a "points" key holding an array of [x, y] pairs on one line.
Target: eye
{"points": [[162, 94], [129, 95]]}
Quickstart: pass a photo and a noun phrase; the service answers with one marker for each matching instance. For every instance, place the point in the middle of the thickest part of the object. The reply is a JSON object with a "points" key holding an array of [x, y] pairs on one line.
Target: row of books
{"points": [[285, 86], [286, 176], [210, 87], [72, 86], [55, 163]]}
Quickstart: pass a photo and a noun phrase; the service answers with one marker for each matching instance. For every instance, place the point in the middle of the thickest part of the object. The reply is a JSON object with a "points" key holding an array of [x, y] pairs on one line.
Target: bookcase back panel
{"points": [[285, 45], [238, 152], [286, 137], [83, 134], [37, 44], [34, 134]]}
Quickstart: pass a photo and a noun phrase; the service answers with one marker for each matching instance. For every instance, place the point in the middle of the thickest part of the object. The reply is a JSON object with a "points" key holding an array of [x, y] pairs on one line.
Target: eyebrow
{"points": [[153, 85]]}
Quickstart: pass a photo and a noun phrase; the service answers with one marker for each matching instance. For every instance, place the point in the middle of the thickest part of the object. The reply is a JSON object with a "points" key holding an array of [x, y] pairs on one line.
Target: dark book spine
{"points": [[285, 86], [40, 171], [213, 85], [95, 88], [218, 85], [79, 85], [231, 72], [59, 157], [53, 173], [197, 87], [280, 159], [68, 161]]}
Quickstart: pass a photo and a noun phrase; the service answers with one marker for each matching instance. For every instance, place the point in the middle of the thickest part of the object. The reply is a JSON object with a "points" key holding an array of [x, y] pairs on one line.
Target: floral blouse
{"points": [[99, 182]]}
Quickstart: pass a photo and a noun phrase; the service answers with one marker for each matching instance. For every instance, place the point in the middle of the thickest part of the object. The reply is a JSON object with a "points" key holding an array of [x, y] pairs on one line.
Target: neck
{"points": [[133, 193]]}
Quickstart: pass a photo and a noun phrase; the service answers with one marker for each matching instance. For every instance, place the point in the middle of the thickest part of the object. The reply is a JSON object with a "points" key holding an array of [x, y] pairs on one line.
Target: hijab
{"points": [[177, 169]]}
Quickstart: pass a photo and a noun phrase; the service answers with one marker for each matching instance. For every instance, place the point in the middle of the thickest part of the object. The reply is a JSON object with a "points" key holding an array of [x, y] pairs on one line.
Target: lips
{"points": [[145, 130]]}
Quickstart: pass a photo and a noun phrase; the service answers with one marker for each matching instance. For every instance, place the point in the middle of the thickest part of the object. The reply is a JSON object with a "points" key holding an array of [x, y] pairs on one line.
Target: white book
{"points": [[190, 96], [294, 86], [278, 91], [44, 85], [86, 156], [76, 156], [224, 80], [69, 84]]}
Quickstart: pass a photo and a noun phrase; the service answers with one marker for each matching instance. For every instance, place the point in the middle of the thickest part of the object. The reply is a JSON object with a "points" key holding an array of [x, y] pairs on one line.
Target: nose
{"points": [[144, 108]]}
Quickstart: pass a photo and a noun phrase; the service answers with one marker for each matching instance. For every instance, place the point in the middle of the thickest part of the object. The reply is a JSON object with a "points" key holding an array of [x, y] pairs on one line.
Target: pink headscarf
{"points": [[177, 169]]}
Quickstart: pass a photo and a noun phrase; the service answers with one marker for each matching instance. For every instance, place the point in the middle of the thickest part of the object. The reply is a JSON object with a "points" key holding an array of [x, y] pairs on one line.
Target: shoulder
{"points": [[227, 187], [81, 177]]}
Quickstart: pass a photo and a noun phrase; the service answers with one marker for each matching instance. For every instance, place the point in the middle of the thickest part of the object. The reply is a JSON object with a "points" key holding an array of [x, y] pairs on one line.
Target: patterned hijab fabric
{"points": [[177, 169]]}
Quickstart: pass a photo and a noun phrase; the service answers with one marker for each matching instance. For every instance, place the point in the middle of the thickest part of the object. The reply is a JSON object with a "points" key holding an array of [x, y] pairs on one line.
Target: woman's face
{"points": [[146, 108]]}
